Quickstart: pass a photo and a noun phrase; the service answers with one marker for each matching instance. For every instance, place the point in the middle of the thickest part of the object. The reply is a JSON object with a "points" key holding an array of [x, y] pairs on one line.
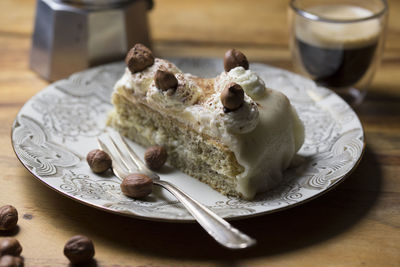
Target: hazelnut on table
{"points": [[11, 261], [79, 249], [10, 246], [8, 217]]}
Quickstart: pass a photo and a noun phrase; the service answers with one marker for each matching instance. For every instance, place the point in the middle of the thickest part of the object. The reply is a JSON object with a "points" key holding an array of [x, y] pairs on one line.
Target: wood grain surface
{"points": [[356, 224]]}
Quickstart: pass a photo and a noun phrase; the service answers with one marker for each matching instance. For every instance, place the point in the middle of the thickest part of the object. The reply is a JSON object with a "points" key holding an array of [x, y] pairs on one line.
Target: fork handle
{"points": [[222, 231]]}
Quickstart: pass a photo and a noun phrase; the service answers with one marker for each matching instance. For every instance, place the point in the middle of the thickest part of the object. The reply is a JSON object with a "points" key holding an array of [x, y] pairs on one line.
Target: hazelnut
{"points": [[11, 261], [165, 80], [155, 157], [232, 97], [79, 249], [139, 58], [234, 58], [137, 185], [10, 246], [8, 217], [98, 160]]}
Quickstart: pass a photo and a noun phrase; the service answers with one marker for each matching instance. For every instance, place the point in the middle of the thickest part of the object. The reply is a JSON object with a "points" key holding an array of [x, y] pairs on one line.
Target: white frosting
{"points": [[139, 82], [264, 136], [269, 148], [251, 83], [186, 94], [240, 121]]}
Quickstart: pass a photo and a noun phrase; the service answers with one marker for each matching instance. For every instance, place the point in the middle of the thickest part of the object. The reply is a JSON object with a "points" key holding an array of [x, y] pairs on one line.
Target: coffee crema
{"points": [[337, 54]]}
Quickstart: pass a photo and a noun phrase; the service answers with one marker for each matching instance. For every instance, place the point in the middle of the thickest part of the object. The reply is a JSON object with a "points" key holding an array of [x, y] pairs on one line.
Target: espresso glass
{"points": [[338, 43]]}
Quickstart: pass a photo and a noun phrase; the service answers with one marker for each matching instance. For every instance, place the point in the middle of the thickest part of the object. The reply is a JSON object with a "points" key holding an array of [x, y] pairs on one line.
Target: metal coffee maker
{"points": [[72, 35]]}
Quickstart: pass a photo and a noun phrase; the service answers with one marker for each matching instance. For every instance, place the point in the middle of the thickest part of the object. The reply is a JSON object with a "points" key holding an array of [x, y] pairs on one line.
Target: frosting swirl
{"points": [[186, 94], [251, 83], [139, 82], [240, 121]]}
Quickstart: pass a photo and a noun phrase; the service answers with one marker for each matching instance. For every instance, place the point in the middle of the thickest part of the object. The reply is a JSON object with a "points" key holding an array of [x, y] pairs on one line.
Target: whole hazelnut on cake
{"points": [[98, 160], [137, 185], [234, 58], [165, 80], [8, 217], [232, 97], [155, 157], [139, 58], [79, 249], [10, 246]]}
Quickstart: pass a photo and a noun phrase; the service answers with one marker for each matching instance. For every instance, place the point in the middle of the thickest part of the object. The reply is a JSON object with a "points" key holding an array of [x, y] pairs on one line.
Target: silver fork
{"points": [[223, 232]]}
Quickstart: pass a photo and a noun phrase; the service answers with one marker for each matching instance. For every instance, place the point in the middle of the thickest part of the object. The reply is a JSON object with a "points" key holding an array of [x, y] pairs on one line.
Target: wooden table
{"points": [[356, 224]]}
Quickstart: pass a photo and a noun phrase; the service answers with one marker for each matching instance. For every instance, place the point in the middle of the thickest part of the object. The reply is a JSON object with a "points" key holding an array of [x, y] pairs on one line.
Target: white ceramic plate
{"points": [[55, 130]]}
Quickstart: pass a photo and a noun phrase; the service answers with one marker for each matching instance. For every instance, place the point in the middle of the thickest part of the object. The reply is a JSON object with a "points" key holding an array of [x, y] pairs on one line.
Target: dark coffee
{"points": [[337, 53], [336, 67]]}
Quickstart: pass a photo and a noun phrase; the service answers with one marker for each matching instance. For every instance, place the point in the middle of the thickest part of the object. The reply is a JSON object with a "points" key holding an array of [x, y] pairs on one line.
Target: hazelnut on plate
{"points": [[98, 160], [155, 157], [137, 185]]}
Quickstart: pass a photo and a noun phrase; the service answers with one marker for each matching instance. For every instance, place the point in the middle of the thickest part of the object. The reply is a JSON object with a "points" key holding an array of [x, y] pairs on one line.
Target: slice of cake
{"points": [[230, 132]]}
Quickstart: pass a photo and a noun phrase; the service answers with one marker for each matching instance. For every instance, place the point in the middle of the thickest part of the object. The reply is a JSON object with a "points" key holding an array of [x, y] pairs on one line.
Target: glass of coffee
{"points": [[338, 43]]}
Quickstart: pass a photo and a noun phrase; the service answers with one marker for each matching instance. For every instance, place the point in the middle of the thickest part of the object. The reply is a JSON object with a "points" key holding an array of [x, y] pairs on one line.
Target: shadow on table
{"points": [[311, 223], [380, 103]]}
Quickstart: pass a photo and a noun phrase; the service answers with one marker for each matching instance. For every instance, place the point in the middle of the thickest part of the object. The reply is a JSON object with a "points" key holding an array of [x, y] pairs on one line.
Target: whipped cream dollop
{"points": [[139, 82], [240, 121], [186, 94], [251, 83]]}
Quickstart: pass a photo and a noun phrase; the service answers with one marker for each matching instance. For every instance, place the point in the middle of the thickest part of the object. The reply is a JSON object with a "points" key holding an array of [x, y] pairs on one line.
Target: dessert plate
{"points": [[56, 128]]}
